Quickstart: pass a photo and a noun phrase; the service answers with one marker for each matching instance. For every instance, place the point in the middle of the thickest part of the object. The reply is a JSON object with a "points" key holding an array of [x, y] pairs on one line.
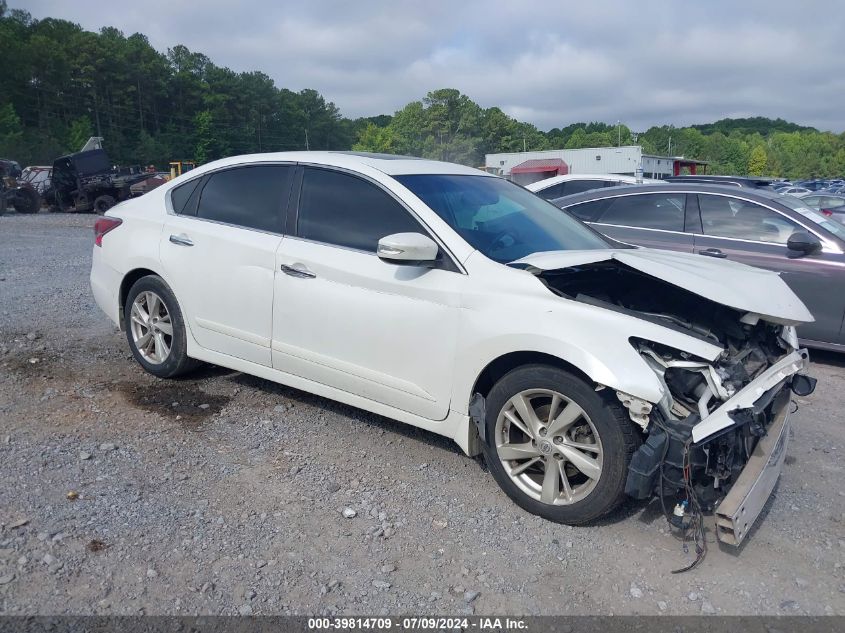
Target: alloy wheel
{"points": [[548, 446], [152, 329]]}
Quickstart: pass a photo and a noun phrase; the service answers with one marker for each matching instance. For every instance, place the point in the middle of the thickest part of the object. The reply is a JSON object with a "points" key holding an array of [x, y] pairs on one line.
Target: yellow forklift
{"points": [[179, 167]]}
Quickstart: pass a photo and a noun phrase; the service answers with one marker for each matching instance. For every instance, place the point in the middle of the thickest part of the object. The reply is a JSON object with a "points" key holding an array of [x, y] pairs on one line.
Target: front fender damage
{"points": [[706, 432]]}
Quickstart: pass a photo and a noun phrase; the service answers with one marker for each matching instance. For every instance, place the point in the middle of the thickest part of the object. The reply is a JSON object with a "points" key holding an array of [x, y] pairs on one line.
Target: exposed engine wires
{"points": [[695, 530]]}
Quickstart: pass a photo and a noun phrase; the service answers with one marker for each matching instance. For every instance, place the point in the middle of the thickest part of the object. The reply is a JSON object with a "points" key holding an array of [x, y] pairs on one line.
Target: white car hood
{"points": [[730, 283]]}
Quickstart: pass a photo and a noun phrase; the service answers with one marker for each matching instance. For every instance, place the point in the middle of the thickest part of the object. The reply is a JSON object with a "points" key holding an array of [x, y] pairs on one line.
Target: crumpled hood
{"points": [[730, 283]]}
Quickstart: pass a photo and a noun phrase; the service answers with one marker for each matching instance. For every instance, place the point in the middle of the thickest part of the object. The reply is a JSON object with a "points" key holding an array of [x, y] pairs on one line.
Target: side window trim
{"points": [[447, 260]]}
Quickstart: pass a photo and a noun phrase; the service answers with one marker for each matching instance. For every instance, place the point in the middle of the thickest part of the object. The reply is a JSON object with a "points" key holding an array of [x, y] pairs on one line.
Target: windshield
{"points": [[502, 220], [799, 206]]}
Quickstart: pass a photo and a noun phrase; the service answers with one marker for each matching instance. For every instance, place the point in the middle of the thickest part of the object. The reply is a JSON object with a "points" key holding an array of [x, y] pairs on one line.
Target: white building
{"points": [[591, 160]]}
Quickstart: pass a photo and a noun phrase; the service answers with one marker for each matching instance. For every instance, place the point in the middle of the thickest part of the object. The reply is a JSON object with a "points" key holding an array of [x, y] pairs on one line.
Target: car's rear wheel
{"points": [[556, 446], [155, 328]]}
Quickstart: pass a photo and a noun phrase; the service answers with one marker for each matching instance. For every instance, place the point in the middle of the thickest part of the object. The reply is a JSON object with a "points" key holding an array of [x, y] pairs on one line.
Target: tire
{"points": [[171, 359], [103, 203], [27, 201], [603, 426], [81, 204]]}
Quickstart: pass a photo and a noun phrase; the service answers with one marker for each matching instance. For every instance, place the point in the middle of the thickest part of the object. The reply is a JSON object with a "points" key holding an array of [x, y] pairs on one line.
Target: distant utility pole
{"points": [[306, 139], [669, 152], [619, 129], [524, 146]]}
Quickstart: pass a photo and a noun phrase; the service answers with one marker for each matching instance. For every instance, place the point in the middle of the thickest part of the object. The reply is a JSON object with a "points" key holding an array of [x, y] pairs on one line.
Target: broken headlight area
{"points": [[705, 434]]}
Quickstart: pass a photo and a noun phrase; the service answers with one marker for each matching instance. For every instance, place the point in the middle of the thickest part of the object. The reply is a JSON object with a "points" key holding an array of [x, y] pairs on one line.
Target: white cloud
{"points": [[548, 63]]}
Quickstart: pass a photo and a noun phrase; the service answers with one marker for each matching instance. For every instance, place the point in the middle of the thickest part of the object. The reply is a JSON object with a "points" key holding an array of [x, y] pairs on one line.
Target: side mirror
{"points": [[802, 243], [411, 249]]}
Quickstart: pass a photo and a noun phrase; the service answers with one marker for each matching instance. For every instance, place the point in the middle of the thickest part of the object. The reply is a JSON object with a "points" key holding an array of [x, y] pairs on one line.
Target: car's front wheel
{"points": [[556, 446], [155, 328]]}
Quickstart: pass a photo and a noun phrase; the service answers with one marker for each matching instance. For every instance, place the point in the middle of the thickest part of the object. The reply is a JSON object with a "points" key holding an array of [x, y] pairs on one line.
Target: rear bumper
{"points": [[736, 513], [105, 286]]}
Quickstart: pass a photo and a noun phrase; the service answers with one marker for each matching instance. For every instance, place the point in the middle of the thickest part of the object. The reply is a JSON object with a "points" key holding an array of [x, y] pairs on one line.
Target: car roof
{"points": [[752, 181], [677, 187], [390, 164]]}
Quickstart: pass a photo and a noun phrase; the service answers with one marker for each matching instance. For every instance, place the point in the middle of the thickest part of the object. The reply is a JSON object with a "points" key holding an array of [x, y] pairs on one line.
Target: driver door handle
{"points": [[712, 252], [298, 270]]}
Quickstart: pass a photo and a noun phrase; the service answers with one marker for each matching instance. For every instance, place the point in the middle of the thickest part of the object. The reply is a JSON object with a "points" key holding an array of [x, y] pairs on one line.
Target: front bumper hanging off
{"points": [[736, 513]]}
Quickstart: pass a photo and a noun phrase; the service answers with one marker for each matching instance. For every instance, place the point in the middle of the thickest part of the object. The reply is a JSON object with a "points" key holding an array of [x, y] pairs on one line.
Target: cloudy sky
{"points": [[550, 63]]}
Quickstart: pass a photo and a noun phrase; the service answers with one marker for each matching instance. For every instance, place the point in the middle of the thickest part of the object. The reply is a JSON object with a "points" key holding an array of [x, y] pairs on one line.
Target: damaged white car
{"points": [[460, 303]]}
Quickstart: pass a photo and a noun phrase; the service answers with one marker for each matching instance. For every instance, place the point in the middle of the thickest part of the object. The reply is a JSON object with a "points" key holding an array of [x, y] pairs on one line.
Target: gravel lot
{"points": [[226, 494]]}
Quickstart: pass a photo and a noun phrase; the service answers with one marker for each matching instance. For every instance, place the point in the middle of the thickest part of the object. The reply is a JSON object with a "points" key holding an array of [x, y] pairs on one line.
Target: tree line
{"points": [[62, 84]]}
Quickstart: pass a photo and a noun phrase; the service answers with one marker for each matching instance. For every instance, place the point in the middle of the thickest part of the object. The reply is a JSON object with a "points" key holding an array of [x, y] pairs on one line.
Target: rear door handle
{"points": [[181, 240], [712, 252], [298, 270]]}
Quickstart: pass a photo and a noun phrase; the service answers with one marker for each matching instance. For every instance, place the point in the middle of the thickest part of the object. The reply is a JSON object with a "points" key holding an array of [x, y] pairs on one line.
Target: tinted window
{"points": [[180, 195], [577, 186], [340, 209], [251, 196], [723, 216], [649, 211], [569, 187], [555, 191], [502, 220], [589, 211]]}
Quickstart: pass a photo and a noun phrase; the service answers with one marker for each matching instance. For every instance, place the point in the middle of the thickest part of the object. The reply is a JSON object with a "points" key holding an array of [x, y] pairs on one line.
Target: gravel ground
{"points": [[226, 494]]}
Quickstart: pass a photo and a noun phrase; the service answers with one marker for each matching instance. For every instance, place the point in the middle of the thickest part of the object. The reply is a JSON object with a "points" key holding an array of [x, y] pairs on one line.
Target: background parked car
{"points": [[755, 227], [830, 204], [570, 184], [794, 191]]}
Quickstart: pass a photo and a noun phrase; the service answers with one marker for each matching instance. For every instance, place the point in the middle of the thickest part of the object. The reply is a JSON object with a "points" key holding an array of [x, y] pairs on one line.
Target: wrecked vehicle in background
{"points": [[16, 192], [86, 181], [463, 304]]}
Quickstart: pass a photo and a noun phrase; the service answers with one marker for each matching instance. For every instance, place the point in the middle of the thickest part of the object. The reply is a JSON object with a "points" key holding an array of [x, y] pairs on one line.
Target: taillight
{"points": [[827, 212], [102, 226]]}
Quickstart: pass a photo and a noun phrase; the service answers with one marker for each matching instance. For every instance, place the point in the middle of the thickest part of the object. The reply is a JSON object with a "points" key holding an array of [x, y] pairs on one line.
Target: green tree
{"points": [[373, 138], [757, 161], [79, 132], [11, 131], [209, 144]]}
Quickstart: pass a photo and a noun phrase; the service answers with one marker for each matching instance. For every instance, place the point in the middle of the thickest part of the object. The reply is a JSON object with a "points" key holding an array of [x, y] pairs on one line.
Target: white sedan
{"points": [[455, 301], [569, 184]]}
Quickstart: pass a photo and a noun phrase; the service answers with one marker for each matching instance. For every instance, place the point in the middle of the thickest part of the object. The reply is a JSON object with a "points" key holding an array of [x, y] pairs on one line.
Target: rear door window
{"points": [[664, 211], [252, 197], [723, 216]]}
